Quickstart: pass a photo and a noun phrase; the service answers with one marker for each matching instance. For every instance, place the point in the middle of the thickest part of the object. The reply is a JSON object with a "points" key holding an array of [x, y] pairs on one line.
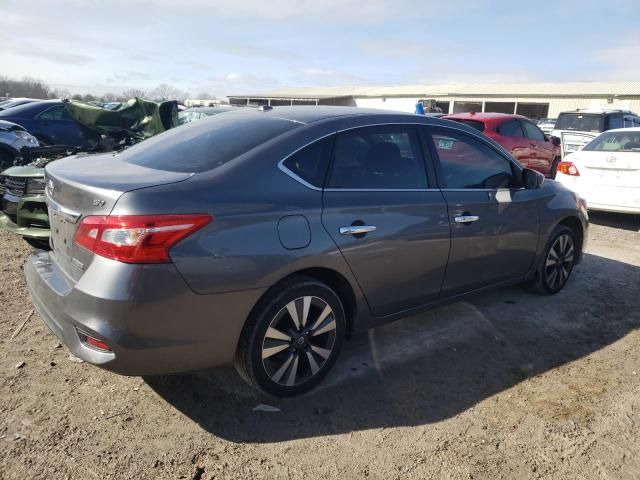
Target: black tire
{"points": [[292, 366], [36, 243], [557, 262], [554, 168]]}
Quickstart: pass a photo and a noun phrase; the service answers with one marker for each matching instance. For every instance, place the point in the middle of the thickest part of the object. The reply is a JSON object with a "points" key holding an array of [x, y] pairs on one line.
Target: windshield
{"points": [[206, 144], [616, 142], [580, 122]]}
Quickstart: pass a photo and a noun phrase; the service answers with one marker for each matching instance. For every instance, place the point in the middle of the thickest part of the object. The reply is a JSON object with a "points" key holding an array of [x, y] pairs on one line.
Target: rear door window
{"points": [[378, 158], [467, 163], [532, 132], [55, 113], [510, 128]]}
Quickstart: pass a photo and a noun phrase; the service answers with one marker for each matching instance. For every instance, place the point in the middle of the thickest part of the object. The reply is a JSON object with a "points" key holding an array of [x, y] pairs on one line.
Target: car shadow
{"points": [[429, 367], [624, 221]]}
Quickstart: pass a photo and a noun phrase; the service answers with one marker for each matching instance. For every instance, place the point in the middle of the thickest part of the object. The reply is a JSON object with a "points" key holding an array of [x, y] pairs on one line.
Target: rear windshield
{"points": [[616, 142], [580, 122], [471, 123], [207, 143]]}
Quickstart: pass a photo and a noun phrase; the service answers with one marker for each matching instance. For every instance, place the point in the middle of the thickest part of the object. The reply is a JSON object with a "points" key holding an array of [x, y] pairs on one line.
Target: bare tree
{"points": [[167, 92], [27, 87], [88, 97], [133, 93]]}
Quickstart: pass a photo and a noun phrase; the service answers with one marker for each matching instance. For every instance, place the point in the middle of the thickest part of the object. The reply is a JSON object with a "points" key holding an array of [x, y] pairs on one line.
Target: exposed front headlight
{"points": [[35, 186], [27, 137]]}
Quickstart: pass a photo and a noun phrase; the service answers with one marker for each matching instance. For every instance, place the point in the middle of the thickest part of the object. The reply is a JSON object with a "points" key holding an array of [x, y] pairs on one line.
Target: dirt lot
{"points": [[504, 385]]}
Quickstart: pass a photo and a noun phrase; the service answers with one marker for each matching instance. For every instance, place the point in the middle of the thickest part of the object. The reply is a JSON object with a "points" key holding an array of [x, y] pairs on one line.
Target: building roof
{"points": [[572, 89]]}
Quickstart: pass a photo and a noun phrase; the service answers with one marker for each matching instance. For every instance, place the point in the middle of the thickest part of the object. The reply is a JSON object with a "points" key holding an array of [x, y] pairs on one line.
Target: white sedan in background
{"points": [[606, 172]]}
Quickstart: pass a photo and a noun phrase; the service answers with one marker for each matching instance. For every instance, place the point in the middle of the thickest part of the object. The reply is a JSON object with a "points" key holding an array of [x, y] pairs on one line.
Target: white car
{"points": [[606, 172]]}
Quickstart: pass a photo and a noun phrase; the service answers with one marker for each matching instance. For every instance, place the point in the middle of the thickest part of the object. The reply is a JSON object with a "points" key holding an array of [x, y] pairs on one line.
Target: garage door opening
{"points": [[500, 107], [464, 107], [534, 111]]}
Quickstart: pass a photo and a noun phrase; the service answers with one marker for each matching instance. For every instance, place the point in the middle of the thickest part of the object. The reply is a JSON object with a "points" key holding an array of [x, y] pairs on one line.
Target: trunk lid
{"points": [[616, 169], [84, 185]]}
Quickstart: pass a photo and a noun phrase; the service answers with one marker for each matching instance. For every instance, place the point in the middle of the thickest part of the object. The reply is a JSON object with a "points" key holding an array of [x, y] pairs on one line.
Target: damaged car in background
{"points": [[13, 138], [24, 211]]}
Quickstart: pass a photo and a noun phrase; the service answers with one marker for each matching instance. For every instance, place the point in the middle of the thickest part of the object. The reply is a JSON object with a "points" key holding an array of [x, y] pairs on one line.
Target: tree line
{"points": [[34, 88]]}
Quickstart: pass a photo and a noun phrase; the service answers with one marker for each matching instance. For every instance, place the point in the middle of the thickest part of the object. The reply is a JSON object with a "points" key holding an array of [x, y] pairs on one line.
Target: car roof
{"points": [[310, 114], [209, 109], [484, 116], [30, 108], [630, 129], [597, 111]]}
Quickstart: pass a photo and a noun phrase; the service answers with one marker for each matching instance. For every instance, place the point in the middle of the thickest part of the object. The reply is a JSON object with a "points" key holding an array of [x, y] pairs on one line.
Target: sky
{"points": [[230, 47]]}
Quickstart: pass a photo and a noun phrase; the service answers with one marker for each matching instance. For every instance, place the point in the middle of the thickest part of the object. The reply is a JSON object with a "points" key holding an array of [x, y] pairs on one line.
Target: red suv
{"points": [[518, 135]]}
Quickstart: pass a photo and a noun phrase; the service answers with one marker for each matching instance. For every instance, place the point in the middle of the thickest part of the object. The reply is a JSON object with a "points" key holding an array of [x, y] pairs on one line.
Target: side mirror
{"points": [[555, 140], [531, 179]]}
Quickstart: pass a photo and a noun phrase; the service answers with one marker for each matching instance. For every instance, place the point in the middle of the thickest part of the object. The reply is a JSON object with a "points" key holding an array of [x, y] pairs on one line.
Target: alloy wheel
{"points": [[299, 341], [559, 262]]}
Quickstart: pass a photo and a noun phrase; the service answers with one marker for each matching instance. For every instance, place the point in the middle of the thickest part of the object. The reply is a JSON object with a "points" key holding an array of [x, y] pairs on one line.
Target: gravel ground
{"points": [[503, 385]]}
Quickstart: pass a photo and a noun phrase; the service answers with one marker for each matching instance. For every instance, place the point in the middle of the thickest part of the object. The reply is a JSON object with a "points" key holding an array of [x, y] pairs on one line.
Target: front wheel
{"points": [[557, 262], [292, 339]]}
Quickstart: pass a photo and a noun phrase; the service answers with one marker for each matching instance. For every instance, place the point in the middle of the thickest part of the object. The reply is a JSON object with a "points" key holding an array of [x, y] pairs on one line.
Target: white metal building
{"points": [[530, 99]]}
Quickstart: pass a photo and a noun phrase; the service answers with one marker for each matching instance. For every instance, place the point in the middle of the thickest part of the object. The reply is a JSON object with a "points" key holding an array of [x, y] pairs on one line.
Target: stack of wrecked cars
{"points": [[22, 186]]}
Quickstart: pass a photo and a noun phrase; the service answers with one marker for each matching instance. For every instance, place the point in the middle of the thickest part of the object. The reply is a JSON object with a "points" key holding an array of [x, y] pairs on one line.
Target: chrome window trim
{"points": [[300, 180]]}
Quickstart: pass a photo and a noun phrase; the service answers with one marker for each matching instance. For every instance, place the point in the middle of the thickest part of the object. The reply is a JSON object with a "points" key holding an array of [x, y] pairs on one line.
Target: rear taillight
{"points": [[137, 238], [568, 168]]}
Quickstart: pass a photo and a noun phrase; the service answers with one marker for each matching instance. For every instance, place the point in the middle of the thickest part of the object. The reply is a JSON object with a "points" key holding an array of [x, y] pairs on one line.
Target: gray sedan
{"points": [[264, 237]]}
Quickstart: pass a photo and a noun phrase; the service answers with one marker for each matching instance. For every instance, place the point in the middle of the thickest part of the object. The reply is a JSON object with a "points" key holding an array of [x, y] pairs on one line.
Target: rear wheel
{"points": [[556, 263], [292, 339]]}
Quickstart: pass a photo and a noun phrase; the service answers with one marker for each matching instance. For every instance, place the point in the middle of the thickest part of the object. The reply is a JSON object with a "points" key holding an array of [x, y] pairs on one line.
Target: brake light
{"points": [[137, 238], [568, 168]]}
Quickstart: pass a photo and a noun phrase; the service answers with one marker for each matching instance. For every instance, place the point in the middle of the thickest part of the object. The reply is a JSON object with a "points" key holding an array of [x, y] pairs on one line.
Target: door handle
{"points": [[466, 218], [356, 229]]}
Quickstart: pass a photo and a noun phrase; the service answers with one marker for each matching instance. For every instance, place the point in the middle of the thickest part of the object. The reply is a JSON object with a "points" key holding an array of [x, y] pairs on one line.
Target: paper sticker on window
{"points": [[445, 144]]}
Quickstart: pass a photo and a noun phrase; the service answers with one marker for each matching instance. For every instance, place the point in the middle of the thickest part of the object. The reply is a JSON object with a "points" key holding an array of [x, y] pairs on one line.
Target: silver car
{"points": [[263, 237]]}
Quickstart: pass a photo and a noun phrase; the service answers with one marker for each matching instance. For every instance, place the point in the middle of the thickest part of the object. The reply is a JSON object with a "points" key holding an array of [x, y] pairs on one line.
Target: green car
{"points": [[23, 204]]}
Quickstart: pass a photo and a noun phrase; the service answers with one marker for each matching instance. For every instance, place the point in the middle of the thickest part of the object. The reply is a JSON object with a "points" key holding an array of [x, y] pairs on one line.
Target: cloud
{"points": [[251, 51], [326, 76], [394, 48], [131, 76], [620, 62], [48, 55]]}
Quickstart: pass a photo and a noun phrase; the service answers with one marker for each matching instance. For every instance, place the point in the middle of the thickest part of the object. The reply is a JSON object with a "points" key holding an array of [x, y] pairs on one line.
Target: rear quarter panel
{"points": [[247, 197]]}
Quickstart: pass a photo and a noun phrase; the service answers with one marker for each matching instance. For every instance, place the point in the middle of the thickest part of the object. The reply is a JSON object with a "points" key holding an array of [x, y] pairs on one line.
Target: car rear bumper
{"points": [[168, 329], [25, 216], [604, 198]]}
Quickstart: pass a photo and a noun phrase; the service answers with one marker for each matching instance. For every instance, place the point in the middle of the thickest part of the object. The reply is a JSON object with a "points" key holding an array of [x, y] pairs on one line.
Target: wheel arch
{"points": [[575, 225], [334, 280]]}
